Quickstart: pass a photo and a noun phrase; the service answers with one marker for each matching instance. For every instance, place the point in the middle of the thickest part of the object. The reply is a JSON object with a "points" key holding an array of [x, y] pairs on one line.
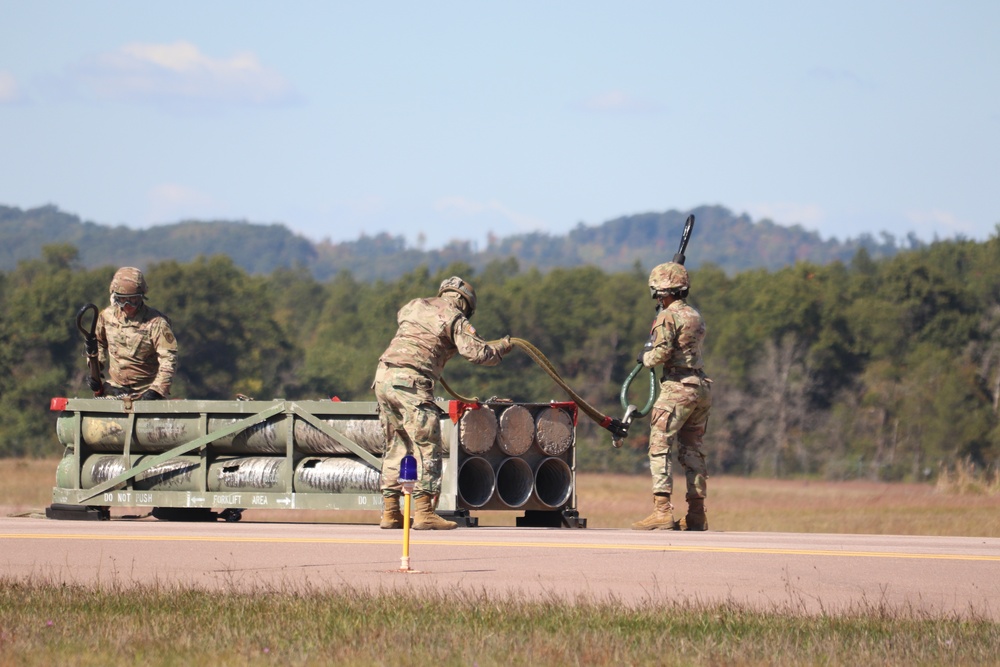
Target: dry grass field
{"points": [[959, 507]]}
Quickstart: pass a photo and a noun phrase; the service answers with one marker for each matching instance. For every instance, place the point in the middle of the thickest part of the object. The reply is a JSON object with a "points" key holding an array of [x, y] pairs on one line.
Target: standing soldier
{"points": [[681, 411], [135, 342], [430, 332]]}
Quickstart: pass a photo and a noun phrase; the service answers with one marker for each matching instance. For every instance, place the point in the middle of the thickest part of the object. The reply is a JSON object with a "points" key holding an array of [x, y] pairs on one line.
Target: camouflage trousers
{"points": [[411, 422], [680, 416]]}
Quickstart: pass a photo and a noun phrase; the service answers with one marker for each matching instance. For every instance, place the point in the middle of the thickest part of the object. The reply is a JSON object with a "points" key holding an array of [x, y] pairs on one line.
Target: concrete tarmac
{"points": [[789, 572]]}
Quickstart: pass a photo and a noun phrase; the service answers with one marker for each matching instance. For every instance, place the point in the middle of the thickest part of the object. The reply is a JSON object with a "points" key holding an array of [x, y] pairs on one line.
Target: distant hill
{"points": [[733, 242]]}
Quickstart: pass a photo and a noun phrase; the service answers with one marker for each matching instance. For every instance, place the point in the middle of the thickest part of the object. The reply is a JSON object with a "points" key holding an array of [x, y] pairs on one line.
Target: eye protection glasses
{"points": [[123, 300]]}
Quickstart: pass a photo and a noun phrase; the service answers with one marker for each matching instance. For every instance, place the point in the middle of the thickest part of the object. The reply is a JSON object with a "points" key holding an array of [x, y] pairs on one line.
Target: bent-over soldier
{"points": [[431, 331]]}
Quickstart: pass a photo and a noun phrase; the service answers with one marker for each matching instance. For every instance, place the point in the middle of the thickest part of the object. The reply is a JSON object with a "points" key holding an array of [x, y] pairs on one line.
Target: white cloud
{"points": [[8, 88], [617, 101], [469, 208], [181, 73]]}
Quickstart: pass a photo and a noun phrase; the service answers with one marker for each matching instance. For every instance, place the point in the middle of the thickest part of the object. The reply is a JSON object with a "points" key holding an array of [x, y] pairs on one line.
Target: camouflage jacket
{"points": [[677, 336], [430, 332], [139, 352]]}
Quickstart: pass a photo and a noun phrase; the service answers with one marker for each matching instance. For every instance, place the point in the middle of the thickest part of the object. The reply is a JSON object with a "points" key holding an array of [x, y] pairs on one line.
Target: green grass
{"points": [[46, 624]]}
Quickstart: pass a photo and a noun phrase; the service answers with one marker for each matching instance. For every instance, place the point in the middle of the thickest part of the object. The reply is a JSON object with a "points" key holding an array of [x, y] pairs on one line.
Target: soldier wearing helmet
{"points": [[431, 331], [136, 344], [680, 414], [668, 278]]}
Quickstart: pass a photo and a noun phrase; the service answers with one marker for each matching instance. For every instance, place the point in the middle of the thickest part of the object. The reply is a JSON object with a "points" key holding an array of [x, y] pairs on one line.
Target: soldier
{"points": [[680, 413], [430, 332], [135, 342]]}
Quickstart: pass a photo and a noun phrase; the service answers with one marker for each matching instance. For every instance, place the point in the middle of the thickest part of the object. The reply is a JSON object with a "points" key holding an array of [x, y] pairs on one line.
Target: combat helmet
{"points": [[456, 284], [668, 277], [127, 284]]}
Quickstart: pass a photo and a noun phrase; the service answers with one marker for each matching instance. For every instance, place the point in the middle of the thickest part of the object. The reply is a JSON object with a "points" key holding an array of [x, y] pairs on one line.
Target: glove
{"points": [[150, 395], [619, 431], [648, 347], [94, 384], [90, 345], [504, 346]]}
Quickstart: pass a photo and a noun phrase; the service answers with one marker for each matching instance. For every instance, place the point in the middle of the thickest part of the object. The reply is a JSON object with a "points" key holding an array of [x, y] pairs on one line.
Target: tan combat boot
{"points": [[662, 517], [391, 516], [424, 517], [696, 518]]}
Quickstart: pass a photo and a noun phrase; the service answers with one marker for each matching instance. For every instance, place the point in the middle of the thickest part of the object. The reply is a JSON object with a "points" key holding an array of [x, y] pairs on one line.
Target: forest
{"points": [[877, 368], [735, 244]]}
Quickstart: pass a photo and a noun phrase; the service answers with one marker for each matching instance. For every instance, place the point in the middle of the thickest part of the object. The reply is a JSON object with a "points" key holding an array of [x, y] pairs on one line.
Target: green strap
{"points": [[333, 433]]}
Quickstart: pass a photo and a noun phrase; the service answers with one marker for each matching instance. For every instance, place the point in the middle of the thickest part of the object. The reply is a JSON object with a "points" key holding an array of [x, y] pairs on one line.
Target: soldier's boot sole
{"points": [[425, 518], [437, 523], [655, 522], [686, 524]]}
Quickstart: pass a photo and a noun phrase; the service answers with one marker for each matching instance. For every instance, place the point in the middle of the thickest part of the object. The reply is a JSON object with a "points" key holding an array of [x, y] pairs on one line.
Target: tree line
{"points": [[736, 243], [883, 368]]}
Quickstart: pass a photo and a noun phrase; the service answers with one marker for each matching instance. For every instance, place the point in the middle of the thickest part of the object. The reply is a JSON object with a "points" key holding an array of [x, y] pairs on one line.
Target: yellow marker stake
{"points": [[404, 563], [407, 480]]}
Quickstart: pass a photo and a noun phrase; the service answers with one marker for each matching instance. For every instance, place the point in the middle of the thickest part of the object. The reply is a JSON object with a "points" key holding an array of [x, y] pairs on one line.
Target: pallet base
{"points": [[77, 512], [566, 518]]}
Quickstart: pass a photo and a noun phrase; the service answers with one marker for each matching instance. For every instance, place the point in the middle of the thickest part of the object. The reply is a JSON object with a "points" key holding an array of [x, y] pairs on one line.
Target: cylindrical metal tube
{"points": [[517, 430], [553, 482], [248, 473], [366, 433], [477, 430], [476, 482], [105, 433], [177, 474], [336, 475], [514, 482], [312, 475], [554, 430], [267, 437], [66, 470]]}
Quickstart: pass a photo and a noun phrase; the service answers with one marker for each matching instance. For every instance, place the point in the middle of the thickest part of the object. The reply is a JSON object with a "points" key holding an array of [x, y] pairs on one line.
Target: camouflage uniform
{"points": [[680, 413], [139, 352], [431, 331]]}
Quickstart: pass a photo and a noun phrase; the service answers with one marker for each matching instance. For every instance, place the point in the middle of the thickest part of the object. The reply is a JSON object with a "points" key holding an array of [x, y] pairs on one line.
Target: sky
{"points": [[442, 121]]}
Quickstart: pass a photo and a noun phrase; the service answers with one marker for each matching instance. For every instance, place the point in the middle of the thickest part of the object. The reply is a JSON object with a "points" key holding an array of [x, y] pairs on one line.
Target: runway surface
{"points": [[806, 573]]}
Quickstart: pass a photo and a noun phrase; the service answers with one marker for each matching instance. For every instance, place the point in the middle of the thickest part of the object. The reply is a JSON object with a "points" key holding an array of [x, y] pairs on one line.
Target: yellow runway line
{"points": [[519, 545]]}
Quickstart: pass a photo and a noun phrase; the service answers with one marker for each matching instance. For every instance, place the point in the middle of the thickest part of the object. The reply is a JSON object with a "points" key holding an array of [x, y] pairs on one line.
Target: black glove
{"points": [[90, 344], [94, 384], [150, 395], [618, 429], [648, 347]]}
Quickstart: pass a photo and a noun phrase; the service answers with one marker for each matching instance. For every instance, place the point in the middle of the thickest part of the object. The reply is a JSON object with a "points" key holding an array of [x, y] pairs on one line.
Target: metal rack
{"points": [[201, 460]]}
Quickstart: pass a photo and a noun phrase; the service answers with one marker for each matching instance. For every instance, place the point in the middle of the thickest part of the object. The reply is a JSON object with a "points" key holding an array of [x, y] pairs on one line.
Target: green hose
{"points": [[653, 387]]}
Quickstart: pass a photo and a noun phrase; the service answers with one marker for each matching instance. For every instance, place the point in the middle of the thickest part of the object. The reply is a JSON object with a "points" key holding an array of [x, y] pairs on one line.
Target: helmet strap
{"points": [[463, 303]]}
